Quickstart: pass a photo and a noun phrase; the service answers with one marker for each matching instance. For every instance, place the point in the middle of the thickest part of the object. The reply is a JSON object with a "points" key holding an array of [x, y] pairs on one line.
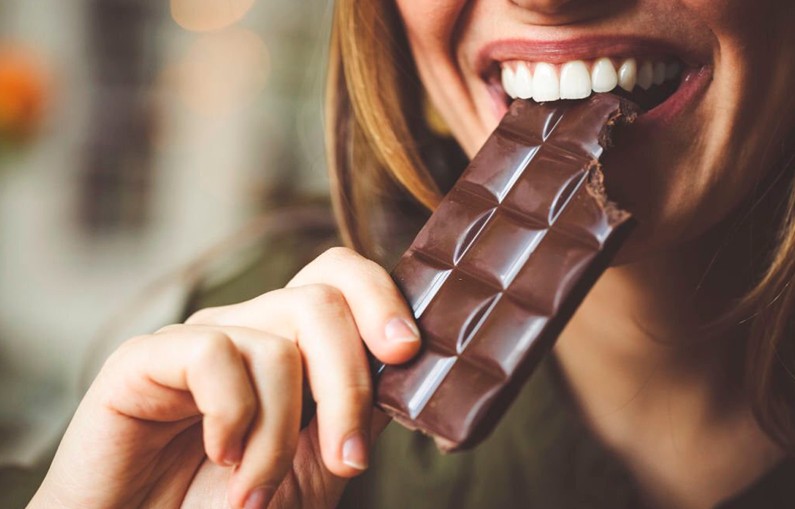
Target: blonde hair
{"points": [[374, 95], [372, 88], [770, 348]]}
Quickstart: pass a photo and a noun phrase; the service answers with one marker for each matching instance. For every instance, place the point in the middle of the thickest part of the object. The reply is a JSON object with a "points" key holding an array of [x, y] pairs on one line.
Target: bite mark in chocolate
{"points": [[502, 264]]}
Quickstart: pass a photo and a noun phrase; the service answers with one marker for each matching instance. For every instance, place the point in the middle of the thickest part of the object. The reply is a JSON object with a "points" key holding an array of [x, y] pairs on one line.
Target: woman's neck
{"points": [[659, 391]]}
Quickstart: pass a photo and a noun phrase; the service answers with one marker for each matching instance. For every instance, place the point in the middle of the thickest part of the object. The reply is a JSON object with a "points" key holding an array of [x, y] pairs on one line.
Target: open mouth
{"points": [[646, 82]]}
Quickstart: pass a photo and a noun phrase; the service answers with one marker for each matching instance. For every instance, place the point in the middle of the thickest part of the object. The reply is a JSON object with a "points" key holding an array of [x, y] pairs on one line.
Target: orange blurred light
{"points": [[209, 15], [23, 90], [220, 72]]}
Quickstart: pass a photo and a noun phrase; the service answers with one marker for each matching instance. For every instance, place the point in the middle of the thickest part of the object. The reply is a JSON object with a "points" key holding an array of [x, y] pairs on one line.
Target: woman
{"points": [[678, 364]]}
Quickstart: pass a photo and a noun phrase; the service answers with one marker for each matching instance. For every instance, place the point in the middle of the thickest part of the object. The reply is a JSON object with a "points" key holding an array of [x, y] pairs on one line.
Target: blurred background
{"points": [[134, 134]]}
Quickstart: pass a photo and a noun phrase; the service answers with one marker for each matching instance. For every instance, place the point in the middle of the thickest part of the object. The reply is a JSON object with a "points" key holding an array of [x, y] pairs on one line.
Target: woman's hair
{"points": [[374, 134], [377, 143], [770, 349]]}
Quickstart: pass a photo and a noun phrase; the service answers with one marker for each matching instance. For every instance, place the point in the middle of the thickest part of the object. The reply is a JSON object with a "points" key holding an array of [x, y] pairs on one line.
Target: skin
{"points": [[652, 384], [204, 414]]}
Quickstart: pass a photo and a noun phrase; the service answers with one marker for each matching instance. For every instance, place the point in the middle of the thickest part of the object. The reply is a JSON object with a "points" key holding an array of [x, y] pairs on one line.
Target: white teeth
{"points": [[628, 74], [546, 85], [645, 75], [672, 70], [508, 81], [523, 81], [658, 76], [603, 76], [575, 80]]}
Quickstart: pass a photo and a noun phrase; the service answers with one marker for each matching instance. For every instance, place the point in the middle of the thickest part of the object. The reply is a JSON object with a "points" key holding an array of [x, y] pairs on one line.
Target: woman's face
{"points": [[713, 127]]}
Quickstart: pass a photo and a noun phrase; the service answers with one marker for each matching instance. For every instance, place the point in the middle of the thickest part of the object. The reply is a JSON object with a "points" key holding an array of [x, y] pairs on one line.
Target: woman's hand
{"points": [[207, 413]]}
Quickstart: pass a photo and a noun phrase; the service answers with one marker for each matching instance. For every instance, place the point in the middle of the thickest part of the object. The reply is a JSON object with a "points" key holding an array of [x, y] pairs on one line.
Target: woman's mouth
{"points": [[646, 82], [660, 79]]}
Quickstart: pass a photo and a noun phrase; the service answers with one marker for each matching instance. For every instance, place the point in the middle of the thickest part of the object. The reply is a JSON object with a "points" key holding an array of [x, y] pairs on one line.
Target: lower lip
{"points": [[694, 82]]}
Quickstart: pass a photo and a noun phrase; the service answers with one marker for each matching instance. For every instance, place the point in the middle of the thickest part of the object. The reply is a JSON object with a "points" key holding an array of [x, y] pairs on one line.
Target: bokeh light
{"points": [[220, 71], [209, 15], [23, 91]]}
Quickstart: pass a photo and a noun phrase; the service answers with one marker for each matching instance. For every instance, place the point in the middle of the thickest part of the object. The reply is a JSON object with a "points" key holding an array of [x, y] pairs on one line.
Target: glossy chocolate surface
{"points": [[502, 264]]}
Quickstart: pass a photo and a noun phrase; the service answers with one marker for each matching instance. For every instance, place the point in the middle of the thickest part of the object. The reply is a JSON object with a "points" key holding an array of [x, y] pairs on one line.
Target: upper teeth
{"points": [[575, 80]]}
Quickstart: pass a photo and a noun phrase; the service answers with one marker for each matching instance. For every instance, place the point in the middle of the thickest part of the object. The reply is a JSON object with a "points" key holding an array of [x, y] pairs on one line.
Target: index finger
{"points": [[382, 316]]}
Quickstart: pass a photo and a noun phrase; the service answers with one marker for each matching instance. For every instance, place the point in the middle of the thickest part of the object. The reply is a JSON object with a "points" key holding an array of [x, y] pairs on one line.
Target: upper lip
{"points": [[582, 48]]}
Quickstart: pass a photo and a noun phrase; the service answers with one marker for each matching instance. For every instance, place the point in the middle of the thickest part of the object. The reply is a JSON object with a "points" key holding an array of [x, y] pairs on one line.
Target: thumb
{"points": [[310, 483]]}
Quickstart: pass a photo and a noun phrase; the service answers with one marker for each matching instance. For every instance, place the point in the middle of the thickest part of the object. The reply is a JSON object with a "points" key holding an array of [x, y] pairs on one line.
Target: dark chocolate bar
{"points": [[502, 264]]}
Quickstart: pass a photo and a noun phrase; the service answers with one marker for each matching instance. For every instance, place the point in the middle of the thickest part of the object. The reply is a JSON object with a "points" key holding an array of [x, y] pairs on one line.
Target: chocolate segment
{"points": [[502, 264]]}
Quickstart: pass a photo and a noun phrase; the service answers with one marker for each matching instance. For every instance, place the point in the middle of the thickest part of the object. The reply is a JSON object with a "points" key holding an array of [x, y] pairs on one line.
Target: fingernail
{"points": [[399, 330], [354, 451], [258, 498], [233, 456]]}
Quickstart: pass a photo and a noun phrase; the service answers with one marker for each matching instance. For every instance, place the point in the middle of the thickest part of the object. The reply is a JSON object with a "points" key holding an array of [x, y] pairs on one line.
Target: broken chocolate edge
{"points": [[622, 223]]}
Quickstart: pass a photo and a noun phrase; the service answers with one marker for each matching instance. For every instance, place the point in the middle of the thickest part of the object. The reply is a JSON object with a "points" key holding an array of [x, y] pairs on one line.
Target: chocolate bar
{"points": [[502, 264]]}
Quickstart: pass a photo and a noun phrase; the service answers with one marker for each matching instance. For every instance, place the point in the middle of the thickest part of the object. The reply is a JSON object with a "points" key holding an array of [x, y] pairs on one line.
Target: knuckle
{"points": [[212, 345], [361, 269], [125, 350], [280, 457], [268, 297], [339, 253], [134, 343], [348, 259], [168, 328], [379, 276], [230, 413], [281, 352], [274, 463], [359, 393], [206, 316], [354, 394], [241, 408], [325, 296]]}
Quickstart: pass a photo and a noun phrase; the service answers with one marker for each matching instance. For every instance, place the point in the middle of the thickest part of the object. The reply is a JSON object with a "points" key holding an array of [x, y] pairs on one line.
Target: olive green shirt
{"points": [[541, 455]]}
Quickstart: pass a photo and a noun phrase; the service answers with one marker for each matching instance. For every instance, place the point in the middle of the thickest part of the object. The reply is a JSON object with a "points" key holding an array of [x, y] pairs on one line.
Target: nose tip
{"points": [[556, 11]]}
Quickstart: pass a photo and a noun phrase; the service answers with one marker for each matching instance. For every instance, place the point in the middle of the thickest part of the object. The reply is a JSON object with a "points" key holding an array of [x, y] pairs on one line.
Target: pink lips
{"points": [[695, 78], [694, 83], [583, 48]]}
